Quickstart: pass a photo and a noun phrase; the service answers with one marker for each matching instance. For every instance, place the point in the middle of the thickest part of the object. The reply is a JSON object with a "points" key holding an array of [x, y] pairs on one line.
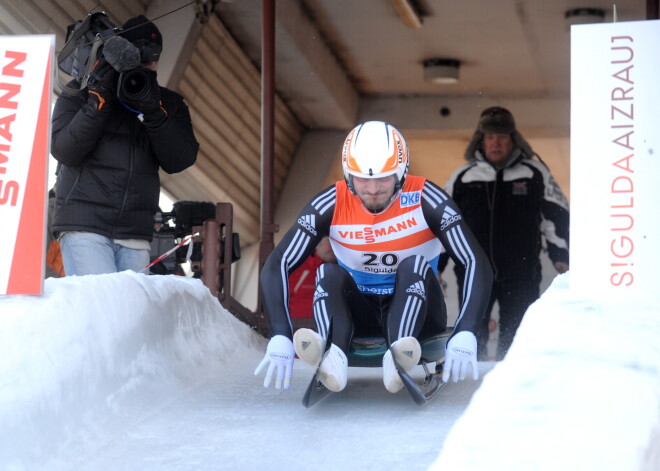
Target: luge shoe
{"points": [[309, 346], [407, 352], [333, 372]]}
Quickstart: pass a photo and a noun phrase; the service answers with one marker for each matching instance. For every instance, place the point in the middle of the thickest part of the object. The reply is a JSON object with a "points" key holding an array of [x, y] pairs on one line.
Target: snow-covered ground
{"points": [[129, 371], [578, 390]]}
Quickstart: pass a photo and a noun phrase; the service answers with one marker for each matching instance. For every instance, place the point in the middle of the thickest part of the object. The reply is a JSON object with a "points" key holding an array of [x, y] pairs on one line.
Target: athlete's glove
{"points": [[279, 355], [461, 353]]}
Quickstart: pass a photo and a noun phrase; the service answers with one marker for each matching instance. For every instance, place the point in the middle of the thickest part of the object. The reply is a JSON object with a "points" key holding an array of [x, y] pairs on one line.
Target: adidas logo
{"points": [[308, 222], [319, 295], [418, 289], [408, 353], [305, 344], [449, 217]]}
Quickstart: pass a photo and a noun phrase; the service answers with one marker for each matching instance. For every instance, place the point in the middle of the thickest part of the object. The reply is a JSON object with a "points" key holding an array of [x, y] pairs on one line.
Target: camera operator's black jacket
{"points": [[108, 182]]}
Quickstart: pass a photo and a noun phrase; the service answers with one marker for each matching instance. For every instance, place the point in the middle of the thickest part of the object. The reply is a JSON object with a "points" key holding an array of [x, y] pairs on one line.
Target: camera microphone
{"points": [[121, 54], [135, 83]]}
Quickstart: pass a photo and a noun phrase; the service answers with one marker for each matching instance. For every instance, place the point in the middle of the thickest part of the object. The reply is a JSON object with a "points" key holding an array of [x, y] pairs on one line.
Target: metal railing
{"points": [[219, 250]]}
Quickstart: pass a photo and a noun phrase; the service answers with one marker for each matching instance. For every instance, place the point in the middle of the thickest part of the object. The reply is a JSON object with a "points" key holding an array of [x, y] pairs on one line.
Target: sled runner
{"points": [[369, 351]]}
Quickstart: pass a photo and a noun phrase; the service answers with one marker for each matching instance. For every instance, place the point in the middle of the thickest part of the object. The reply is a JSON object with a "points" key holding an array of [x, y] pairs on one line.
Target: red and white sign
{"points": [[615, 157], [25, 95]]}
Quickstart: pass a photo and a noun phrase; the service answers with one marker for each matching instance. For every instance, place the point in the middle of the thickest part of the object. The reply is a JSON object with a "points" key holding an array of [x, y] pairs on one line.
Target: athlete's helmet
{"points": [[374, 149]]}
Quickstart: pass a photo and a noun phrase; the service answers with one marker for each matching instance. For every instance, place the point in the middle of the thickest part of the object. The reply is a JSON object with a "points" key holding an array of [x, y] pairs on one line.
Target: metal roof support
{"points": [[268, 228]]}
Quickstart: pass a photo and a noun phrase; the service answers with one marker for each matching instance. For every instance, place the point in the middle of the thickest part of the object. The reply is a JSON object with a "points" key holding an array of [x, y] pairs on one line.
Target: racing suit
{"points": [[384, 283]]}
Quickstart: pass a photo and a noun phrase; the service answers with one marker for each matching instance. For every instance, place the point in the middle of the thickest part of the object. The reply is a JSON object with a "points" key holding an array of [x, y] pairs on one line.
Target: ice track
{"points": [[132, 372]]}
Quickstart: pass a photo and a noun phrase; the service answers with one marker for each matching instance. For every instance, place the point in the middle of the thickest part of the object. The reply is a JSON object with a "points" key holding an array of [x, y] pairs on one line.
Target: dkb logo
{"points": [[410, 199]]}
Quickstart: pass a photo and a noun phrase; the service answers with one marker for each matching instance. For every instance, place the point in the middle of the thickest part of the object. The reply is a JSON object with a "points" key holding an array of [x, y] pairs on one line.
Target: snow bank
{"points": [[561, 399], [96, 358], [72, 358]]}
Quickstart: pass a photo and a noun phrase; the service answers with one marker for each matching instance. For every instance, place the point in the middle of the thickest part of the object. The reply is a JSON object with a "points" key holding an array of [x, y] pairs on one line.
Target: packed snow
{"points": [[129, 371], [578, 390]]}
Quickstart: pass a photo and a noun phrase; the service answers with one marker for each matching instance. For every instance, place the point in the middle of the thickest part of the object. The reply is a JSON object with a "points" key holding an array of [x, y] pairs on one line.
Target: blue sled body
{"points": [[369, 351]]}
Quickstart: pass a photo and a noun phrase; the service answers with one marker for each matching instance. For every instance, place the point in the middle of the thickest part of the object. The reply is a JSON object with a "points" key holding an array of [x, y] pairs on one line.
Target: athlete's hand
{"points": [[461, 352], [279, 356]]}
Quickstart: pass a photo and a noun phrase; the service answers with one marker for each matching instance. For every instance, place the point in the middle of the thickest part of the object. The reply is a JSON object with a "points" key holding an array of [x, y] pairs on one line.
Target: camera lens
{"points": [[134, 85]]}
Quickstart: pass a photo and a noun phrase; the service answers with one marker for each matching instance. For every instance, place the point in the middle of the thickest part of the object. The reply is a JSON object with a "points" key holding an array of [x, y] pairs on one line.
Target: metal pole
{"points": [[267, 130]]}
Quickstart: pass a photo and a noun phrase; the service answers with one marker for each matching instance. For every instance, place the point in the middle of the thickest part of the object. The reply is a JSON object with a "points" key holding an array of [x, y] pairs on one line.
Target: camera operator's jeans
{"points": [[86, 253]]}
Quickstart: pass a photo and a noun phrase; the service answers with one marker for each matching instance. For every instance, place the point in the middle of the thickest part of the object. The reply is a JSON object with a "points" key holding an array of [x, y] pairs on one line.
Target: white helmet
{"points": [[374, 149]]}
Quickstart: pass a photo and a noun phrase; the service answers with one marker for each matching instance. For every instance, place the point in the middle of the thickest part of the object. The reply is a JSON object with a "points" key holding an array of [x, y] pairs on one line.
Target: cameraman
{"points": [[110, 151]]}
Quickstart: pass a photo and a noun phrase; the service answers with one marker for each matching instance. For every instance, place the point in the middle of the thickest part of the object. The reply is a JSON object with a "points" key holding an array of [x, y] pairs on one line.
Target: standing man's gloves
{"points": [[461, 352], [150, 105], [279, 356], [102, 83]]}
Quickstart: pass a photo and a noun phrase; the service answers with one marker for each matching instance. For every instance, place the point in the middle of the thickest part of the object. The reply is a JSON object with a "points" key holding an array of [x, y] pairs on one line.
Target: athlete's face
{"points": [[375, 193], [497, 147]]}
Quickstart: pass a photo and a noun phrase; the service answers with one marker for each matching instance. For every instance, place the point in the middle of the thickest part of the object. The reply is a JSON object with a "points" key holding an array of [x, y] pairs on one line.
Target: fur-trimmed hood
{"points": [[498, 120]]}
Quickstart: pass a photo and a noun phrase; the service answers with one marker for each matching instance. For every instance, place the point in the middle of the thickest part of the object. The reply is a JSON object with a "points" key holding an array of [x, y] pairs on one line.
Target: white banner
{"points": [[26, 64], [615, 157]]}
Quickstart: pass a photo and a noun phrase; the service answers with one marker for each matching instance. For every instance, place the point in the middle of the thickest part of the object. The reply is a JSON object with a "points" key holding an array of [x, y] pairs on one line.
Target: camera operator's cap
{"points": [[145, 36], [496, 120]]}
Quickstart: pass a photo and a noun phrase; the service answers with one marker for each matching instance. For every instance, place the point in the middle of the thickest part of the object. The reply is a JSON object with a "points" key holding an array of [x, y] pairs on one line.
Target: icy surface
{"points": [[127, 371]]}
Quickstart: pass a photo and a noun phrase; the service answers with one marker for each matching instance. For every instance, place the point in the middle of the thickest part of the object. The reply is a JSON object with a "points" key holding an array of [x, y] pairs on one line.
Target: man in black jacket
{"points": [[509, 200], [110, 153]]}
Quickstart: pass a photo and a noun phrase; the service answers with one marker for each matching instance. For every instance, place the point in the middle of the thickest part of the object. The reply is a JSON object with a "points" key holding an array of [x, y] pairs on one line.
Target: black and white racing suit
{"points": [[385, 282]]}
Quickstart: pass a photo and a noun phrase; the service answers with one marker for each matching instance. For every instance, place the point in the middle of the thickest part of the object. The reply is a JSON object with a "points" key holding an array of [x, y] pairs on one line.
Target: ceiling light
{"points": [[441, 71], [583, 16]]}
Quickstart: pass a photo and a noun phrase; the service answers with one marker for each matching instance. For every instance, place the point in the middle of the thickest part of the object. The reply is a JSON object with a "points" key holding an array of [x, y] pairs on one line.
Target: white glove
{"points": [[279, 354], [461, 352]]}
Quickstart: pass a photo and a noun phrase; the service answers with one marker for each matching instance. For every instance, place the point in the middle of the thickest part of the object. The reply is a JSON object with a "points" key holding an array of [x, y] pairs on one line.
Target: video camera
{"points": [[184, 215], [96, 36]]}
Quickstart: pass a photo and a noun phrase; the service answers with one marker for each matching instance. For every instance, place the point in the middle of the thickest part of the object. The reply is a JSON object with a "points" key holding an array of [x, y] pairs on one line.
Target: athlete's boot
{"points": [[407, 352], [333, 372], [309, 346]]}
